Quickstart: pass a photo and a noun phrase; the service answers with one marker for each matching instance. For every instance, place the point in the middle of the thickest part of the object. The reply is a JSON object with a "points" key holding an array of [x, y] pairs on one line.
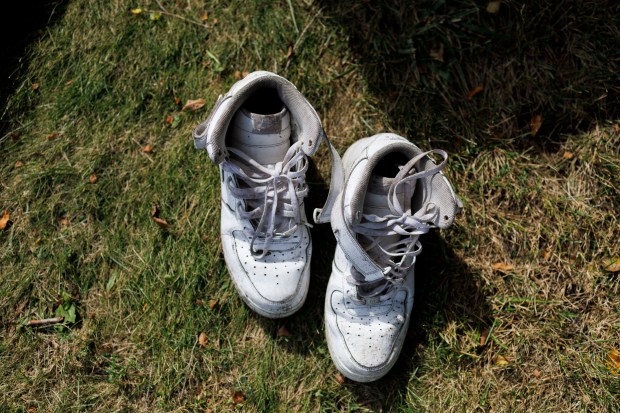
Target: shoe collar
{"points": [[306, 125]]}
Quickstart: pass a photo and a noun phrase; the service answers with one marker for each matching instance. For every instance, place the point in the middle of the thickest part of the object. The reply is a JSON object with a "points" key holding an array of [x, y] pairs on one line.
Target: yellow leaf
{"points": [[4, 221], [502, 266], [194, 104], [612, 264], [204, 17], [212, 303], [613, 361], [500, 360], [136, 11]]}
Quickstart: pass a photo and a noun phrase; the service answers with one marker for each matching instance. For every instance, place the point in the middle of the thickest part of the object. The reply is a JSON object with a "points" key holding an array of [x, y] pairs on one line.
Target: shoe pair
{"points": [[384, 194]]}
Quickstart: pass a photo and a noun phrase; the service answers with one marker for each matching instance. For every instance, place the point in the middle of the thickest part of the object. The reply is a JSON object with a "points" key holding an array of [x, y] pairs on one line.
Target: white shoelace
{"points": [[270, 193], [396, 258]]}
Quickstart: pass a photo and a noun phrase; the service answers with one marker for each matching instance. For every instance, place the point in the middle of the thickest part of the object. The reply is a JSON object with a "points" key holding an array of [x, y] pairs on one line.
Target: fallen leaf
{"points": [[568, 155], [52, 136], [69, 82], [483, 338], [283, 332], [93, 179], [502, 266], [546, 255], [212, 303], [535, 124], [238, 397], [35, 86], [4, 221], [199, 301], [136, 11], [155, 214], [536, 373], [177, 101], [340, 378], [145, 307], [202, 339], [194, 104], [19, 164], [148, 148], [169, 119], [493, 7], [63, 221], [238, 75], [161, 222], [437, 52], [500, 360], [612, 264], [613, 361], [474, 92], [204, 17], [245, 73]]}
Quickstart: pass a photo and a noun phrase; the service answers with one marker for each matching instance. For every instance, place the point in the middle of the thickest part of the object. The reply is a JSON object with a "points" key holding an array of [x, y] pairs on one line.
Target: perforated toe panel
{"points": [[277, 275], [370, 339]]}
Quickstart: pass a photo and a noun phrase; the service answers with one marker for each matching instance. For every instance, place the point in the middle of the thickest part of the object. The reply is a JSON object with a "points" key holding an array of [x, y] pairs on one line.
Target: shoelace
{"points": [[396, 258], [270, 192]]}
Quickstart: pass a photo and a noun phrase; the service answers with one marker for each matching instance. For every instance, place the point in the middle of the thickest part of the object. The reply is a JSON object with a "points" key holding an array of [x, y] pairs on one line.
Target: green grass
{"points": [[108, 80]]}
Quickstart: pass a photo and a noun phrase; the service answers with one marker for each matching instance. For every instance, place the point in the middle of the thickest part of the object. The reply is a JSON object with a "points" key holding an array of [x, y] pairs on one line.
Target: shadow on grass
{"points": [[542, 69], [23, 22]]}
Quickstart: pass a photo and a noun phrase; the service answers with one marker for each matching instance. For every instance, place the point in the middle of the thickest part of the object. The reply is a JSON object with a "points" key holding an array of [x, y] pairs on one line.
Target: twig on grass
{"points": [[167, 13], [45, 322]]}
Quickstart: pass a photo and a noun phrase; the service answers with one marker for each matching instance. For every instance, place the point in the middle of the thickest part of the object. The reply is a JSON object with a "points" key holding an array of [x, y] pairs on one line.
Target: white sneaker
{"points": [[260, 133], [393, 193]]}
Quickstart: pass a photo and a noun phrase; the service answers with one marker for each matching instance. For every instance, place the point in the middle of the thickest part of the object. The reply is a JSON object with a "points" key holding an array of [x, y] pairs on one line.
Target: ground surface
{"points": [[517, 306]]}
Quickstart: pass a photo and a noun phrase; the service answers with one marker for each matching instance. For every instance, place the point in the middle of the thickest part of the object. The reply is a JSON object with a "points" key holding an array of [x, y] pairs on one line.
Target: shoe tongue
{"points": [[264, 138]]}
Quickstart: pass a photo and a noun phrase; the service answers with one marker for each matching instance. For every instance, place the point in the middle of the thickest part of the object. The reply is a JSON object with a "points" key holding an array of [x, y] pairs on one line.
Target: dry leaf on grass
{"points": [[612, 264], [63, 221], [202, 339], [35, 86], [474, 92], [502, 266], [19, 164], [613, 361], [147, 148], [484, 336], [204, 17], [283, 332], [52, 135], [4, 221], [69, 82], [500, 360], [93, 179], [212, 303], [340, 378], [155, 215], [536, 373], [568, 155], [493, 7], [547, 254], [195, 104], [238, 397], [535, 124]]}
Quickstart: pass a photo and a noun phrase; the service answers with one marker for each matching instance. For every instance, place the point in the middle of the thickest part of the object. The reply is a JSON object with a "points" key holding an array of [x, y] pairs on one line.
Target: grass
{"points": [[533, 336]]}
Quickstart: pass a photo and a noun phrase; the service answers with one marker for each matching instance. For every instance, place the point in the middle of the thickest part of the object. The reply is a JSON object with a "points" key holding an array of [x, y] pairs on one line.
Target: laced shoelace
{"points": [[268, 193], [398, 257]]}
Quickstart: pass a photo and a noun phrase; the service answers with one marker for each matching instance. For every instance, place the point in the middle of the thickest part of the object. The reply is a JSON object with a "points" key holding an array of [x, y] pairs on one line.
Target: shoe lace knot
{"points": [[270, 197]]}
